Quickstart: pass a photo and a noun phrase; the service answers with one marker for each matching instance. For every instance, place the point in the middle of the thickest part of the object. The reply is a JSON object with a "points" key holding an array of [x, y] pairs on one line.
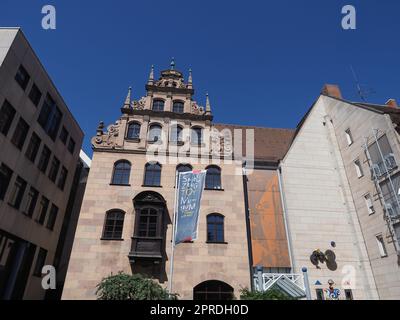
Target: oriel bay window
{"points": [[121, 174], [113, 225]]}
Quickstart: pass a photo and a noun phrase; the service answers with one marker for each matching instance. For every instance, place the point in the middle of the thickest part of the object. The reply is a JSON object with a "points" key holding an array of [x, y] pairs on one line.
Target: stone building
{"points": [[40, 142], [125, 221]]}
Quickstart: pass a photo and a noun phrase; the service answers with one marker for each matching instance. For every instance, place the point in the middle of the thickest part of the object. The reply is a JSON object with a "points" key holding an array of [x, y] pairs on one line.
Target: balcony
{"points": [[290, 283], [381, 169], [145, 248]]}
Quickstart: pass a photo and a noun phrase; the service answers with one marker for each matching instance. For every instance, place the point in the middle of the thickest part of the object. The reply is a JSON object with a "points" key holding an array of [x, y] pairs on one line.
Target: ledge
{"points": [[216, 242], [149, 186], [120, 184], [212, 189], [108, 239]]}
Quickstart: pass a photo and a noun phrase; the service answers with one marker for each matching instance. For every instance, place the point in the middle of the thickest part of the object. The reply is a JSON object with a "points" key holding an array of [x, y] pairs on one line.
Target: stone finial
{"points": [[172, 63], [208, 105], [127, 103], [190, 80], [151, 76]]}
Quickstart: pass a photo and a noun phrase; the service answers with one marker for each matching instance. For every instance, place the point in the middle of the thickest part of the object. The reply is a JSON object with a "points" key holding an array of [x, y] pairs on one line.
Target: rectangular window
{"points": [[5, 177], [64, 135], [44, 205], [359, 169], [381, 246], [40, 262], [22, 77], [320, 294], [63, 178], [31, 202], [35, 95], [55, 166], [51, 221], [18, 139], [348, 294], [50, 117], [349, 137], [33, 147], [369, 204], [71, 145], [17, 193], [381, 155], [44, 159], [7, 113]]}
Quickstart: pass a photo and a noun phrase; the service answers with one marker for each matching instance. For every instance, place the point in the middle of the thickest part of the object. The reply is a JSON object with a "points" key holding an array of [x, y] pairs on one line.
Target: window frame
{"points": [[216, 237], [381, 245], [152, 171], [157, 100], [359, 169], [349, 137], [125, 173], [152, 127], [114, 225], [128, 131], [7, 115], [23, 83], [213, 176], [181, 104]]}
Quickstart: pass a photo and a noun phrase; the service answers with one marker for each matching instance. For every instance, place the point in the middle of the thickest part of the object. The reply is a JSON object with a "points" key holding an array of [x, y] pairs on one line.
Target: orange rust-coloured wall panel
{"points": [[268, 236]]}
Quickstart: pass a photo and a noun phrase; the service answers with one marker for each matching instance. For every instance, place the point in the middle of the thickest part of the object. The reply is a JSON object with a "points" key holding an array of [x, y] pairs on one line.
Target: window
{"points": [[64, 135], [148, 222], [176, 134], [381, 246], [62, 178], [359, 169], [348, 294], [320, 294], [122, 171], [213, 290], [177, 107], [44, 205], [215, 228], [33, 147], [349, 137], [213, 178], [22, 77], [5, 177], [71, 145], [50, 117], [17, 193], [35, 95], [40, 262], [155, 133], [369, 204], [133, 131], [18, 139], [196, 136], [51, 221], [113, 225], [7, 113], [31, 202], [55, 166], [381, 157], [44, 159], [183, 168], [152, 176], [158, 105]]}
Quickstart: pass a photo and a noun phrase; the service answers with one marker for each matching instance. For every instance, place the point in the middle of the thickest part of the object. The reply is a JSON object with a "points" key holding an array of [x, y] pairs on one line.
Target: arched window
{"points": [[177, 106], [213, 290], [133, 131], [122, 171], [148, 223], [176, 133], [155, 133], [184, 167], [213, 178], [196, 136], [215, 227], [158, 105], [152, 175], [113, 225]]}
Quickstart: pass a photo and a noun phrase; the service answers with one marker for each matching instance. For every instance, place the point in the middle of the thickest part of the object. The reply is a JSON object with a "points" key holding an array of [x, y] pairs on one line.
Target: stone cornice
{"points": [[168, 114]]}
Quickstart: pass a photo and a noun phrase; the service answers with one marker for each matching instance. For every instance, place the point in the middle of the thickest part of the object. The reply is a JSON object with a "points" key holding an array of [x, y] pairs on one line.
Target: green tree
{"points": [[271, 294], [124, 286]]}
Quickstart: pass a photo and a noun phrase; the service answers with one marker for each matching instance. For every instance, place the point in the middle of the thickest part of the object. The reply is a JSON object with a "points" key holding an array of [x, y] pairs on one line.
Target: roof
{"points": [[270, 144]]}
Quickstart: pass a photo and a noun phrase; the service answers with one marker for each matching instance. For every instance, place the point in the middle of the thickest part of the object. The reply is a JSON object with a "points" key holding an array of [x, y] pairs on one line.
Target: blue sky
{"points": [[262, 62]]}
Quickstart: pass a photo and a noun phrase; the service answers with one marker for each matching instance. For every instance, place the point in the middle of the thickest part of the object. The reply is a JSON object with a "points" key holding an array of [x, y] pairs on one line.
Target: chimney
{"points": [[392, 103], [332, 90]]}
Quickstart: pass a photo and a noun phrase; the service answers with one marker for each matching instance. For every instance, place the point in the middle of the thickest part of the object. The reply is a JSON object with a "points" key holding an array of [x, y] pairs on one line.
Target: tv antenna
{"points": [[361, 90]]}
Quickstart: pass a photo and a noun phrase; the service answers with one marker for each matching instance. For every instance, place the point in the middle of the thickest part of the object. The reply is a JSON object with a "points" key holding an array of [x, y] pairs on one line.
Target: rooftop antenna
{"points": [[362, 92]]}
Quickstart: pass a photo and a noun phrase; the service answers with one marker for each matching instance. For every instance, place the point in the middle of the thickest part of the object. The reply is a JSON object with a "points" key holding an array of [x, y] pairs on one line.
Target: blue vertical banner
{"points": [[190, 189]]}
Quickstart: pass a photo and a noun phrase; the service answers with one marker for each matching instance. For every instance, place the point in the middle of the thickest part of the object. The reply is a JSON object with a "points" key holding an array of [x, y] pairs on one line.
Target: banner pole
{"points": [[171, 266]]}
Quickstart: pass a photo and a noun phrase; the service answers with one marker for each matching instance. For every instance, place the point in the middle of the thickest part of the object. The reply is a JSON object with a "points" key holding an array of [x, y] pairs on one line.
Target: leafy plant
{"points": [[123, 286], [271, 294]]}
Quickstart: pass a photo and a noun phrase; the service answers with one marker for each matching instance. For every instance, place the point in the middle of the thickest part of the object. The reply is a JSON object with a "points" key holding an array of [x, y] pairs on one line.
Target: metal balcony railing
{"points": [[270, 279]]}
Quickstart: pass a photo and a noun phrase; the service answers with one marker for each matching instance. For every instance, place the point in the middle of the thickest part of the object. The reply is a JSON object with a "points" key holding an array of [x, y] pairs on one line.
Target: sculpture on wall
{"points": [[331, 292], [328, 257]]}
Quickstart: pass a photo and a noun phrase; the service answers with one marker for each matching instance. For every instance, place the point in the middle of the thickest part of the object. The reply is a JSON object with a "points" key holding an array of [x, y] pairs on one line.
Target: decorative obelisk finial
{"points": [[172, 63], [208, 105], [190, 80], [151, 76], [127, 103]]}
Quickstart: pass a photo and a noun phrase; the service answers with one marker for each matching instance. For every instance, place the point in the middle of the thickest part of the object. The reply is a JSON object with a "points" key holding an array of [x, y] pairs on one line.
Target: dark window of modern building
{"points": [[213, 290], [33, 147], [51, 221], [176, 133], [320, 294], [7, 113], [40, 262], [64, 135], [113, 225], [158, 105], [54, 167], [17, 193], [22, 77], [19, 136], [44, 159], [213, 178], [155, 133], [44, 205], [348, 294], [148, 222], [62, 178], [50, 117], [5, 177], [133, 131], [121, 173], [177, 107], [215, 228], [152, 175], [31, 201], [196, 136], [71, 145], [35, 94]]}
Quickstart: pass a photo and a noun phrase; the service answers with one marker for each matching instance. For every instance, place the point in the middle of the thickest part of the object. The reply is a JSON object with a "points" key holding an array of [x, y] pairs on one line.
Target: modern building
{"points": [[40, 142]]}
